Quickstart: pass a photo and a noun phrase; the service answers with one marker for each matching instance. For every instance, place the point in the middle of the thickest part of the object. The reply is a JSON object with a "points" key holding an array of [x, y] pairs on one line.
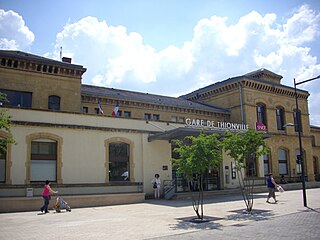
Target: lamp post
{"points": [[299, 126]]}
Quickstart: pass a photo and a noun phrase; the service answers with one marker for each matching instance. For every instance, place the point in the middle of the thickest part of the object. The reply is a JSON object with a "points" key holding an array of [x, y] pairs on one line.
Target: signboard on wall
{"points": [[200, 123], [261, 127]]}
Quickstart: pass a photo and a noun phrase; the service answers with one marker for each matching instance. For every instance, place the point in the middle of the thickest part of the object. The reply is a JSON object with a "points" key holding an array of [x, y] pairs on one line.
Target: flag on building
{"points": [[100, 108], [115, 110]]}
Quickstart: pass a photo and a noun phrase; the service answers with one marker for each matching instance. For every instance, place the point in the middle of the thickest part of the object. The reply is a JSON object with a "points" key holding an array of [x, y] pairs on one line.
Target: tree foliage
{"points": [[244, 147], [195, 156], [5, 125]]}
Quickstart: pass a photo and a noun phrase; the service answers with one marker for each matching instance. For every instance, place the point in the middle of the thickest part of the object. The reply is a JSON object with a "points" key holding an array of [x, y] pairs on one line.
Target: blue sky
{"points": [[171, 47]]}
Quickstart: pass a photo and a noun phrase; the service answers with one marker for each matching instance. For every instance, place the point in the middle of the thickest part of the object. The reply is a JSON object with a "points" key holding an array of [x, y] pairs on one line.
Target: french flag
{"points": [[115, 110], [100, 108]]}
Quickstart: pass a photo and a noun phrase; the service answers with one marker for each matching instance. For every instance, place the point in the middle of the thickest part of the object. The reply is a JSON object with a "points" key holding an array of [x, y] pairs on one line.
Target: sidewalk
{"points": [[152, 219]]}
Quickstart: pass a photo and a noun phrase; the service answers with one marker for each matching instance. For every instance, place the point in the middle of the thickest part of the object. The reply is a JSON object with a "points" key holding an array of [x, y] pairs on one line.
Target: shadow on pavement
{"points": [[256, 215], [187, 201], [190, 223]]}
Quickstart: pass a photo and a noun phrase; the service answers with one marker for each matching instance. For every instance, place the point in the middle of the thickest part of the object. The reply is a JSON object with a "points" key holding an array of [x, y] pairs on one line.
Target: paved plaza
{"points": [[170, 219]]}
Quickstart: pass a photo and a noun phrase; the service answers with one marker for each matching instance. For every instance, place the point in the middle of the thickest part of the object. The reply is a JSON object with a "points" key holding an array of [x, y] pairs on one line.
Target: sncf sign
{"points": [[261, 127]]}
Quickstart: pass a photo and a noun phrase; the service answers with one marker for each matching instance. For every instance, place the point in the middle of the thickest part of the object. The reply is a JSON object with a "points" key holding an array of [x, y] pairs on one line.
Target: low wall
{"points": [[19, 204], [256, 189]]}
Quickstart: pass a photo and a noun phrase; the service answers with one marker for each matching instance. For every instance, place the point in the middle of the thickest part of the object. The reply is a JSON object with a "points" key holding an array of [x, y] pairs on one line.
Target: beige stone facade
{"points": [[84, 141]]}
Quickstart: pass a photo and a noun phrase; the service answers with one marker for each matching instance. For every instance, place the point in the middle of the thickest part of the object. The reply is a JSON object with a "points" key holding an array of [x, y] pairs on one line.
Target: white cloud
{"points": [[218, 50], [14, 34]]}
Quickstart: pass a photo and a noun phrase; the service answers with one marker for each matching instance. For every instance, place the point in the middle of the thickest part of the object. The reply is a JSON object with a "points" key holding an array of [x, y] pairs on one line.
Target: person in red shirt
{"points": [[46, 196]]}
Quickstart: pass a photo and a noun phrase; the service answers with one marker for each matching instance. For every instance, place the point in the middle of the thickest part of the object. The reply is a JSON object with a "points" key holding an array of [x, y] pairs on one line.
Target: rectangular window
{"points": [[283, 165], [266, 164], [156, 117], [174, 118], [181, 120], [2, 167], [119, 113], [54, 103], [233, 170], [298, 162], [127, 114], [261, 114], [119, 161], [147, 116], [96, 111], [17, 98], [297, 121], [280, 118], [85, 109], [43, 164]]}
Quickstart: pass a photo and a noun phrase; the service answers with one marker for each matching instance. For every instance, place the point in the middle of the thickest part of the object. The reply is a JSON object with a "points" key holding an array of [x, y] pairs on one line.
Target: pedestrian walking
{"points": [[271, 184], [46, 196]]}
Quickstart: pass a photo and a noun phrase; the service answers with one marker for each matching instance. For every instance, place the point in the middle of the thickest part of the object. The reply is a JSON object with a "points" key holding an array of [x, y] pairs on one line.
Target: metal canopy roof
{"points": [[181, 132]]}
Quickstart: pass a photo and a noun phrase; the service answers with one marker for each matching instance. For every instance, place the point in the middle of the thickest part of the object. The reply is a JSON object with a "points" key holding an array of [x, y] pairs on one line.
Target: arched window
{"points": [[54, 103], [280, 118], [283, 161], [119, 161], [43, 161], [261, 113]]}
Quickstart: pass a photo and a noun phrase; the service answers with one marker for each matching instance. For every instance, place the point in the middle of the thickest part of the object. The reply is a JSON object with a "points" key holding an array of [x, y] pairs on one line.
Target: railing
{"points": [[180, 185], [169, 188]]}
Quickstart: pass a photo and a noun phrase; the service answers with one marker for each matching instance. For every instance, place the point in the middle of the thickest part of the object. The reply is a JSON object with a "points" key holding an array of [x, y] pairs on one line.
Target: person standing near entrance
{"points": [[271, 183], [156, 183], [46, 196]]}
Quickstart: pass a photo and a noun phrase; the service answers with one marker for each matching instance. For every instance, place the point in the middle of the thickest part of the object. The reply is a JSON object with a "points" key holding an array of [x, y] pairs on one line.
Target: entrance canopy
{"points": [[181, 132]]}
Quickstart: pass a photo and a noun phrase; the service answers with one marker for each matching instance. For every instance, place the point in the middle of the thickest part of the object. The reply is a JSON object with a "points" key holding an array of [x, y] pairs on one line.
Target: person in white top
{"points": [[156, 182]]}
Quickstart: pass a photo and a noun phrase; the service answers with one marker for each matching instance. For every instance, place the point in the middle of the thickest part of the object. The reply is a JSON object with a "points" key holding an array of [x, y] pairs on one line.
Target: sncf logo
{"points": [[261, 127]]}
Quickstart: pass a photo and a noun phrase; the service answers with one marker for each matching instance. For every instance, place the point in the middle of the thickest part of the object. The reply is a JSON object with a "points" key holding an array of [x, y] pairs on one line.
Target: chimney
{"points": [[66, 59]]}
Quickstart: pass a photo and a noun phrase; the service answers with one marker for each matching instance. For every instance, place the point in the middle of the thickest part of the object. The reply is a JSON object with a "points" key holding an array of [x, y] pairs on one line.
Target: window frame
{"points": [[17, 98], [280, 118], [38, 153], [54, 103], [261, 111], [283, 161], [115, 158]]}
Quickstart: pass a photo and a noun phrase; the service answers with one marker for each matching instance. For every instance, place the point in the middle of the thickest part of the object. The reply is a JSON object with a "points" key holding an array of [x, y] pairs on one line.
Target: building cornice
{"points": [[18, 60]]}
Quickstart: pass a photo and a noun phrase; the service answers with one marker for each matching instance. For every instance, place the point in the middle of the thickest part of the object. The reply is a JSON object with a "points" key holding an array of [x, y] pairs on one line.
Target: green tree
{"points": [[244, 147], [195, 156], [5, 125]]}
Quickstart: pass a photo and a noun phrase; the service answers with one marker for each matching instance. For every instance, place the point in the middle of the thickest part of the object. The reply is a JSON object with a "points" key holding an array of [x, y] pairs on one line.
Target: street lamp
{"points": [[298, 122]]}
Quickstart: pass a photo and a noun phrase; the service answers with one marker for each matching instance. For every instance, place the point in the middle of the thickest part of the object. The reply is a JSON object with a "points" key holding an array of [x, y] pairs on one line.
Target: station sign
{"points": [[200, 123]]}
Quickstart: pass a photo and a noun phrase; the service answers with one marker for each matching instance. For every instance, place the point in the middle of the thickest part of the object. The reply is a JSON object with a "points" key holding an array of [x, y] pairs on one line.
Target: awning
{"points": [[182, 132]]}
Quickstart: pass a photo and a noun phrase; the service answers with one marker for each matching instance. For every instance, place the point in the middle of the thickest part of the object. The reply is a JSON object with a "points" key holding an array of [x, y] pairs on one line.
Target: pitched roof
{"points": [[147, 97], [254, 76], [31, 57]]}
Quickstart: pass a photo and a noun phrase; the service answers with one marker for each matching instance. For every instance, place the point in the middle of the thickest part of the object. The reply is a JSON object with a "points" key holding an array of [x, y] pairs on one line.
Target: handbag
{"points": [[49, 196], [155, 185]]}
